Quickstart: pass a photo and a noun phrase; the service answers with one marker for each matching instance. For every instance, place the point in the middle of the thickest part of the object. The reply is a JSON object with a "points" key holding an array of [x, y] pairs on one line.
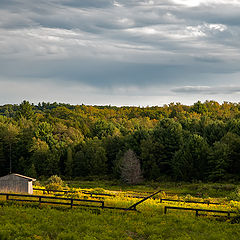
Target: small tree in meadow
{"points": [[130, 168]]}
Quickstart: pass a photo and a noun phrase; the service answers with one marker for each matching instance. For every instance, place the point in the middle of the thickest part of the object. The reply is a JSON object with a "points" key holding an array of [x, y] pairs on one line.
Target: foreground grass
{"points": [[23, 223], [28, 221]]}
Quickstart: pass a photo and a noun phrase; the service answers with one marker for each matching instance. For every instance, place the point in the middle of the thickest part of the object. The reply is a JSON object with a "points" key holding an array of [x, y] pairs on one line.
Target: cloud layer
{"points": [[152, 49]]}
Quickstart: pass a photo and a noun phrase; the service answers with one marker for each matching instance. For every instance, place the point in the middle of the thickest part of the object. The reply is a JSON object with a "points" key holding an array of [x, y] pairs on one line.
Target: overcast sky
{"points": [[126, 52]]}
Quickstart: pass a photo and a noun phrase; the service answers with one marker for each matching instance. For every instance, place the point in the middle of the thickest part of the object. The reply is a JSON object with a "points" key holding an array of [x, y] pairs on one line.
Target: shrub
{"points": [[54, 183], [37, 184]]}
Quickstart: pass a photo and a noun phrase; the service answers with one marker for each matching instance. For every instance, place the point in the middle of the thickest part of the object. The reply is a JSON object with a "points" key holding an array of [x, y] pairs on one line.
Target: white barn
{"points": [[16, 183]]}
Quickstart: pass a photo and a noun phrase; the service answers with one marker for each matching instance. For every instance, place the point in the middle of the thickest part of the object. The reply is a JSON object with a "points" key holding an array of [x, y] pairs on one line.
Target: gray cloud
{"points": [[207, 90], [111, 45]]}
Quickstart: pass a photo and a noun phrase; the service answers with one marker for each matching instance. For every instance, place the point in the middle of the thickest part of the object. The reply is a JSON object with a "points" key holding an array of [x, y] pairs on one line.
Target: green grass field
{"points": [[28, 221]]}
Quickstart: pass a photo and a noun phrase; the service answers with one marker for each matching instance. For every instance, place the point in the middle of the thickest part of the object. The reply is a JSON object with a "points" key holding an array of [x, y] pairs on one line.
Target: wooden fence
{"points": [[92, 194], [54, 191], [95, 203], [45, 199], [197, 210], [69, 201], [68, 191]]}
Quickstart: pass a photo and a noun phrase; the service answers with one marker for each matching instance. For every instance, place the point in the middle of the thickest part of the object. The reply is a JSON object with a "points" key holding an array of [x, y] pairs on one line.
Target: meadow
{"points": [[29, 221]]}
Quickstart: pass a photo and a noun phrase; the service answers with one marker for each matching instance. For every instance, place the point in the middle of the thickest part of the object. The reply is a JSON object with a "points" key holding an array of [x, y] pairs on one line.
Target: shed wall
{"points": [[30, 187], [14, 186]]}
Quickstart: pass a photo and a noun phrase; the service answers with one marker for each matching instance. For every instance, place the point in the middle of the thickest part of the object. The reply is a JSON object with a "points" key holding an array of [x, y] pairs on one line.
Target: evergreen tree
{"points": [[218, 162], [160, 147], [25, 110], [190, 162], [90, 159], [69, 163], [3, 162]]}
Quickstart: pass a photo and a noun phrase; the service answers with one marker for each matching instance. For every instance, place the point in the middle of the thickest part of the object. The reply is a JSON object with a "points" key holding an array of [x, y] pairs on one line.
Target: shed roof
{"points": [[21, 176]]}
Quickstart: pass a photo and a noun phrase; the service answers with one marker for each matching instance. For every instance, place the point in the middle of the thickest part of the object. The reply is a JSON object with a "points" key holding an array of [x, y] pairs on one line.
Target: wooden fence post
{"points": [[133, 207]]}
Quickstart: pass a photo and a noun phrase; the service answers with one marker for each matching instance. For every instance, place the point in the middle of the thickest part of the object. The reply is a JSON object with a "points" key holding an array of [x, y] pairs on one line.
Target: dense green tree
{"points": [[90, 159], [24, 144], [44, 132], [25, 110], [133, 141], [218, 161], [149, 155], [158, 150], [3, 161], [46, 162], [9, 137], [234, 126], [214, 131], [69, 163], [31, 171], [190, 161], [199, 107], [112, 146], [233, 164], [102, 129]]}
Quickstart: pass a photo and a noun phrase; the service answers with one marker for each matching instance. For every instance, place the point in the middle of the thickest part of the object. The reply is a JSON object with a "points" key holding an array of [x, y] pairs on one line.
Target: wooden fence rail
{"points": [[43, 199], [55, 191], [70, 201], [197, 210], [133, 207], [68, 191], [187, 201], [98, 194]]}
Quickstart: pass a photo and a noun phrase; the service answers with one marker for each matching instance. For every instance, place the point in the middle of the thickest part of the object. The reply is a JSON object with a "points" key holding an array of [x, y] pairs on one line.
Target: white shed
{"points": [[16, 183]]}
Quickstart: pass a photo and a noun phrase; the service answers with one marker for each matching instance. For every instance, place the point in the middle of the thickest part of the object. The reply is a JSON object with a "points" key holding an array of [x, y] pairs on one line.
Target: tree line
{"points": [[173, 142]]}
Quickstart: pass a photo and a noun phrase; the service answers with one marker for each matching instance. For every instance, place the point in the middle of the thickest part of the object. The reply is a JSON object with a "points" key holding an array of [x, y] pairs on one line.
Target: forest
{"points": [[173, 142]]}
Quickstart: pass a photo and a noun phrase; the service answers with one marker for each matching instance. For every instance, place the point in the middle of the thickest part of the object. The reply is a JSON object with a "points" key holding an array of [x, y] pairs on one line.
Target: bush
{"points": [[98, 190], [37, 184], [235, 195], [54, 183]]}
